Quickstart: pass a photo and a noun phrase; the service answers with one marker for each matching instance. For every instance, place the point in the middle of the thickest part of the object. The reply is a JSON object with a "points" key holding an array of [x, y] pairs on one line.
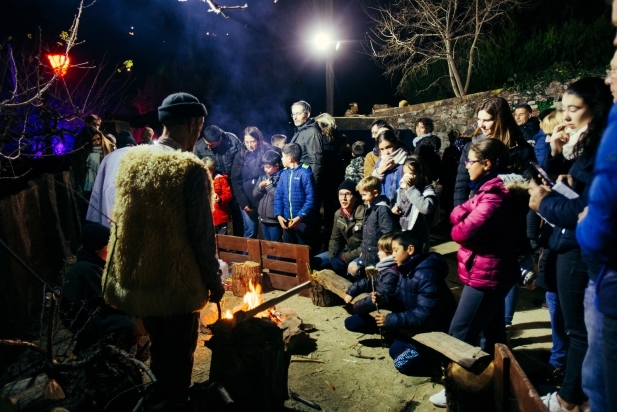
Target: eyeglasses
{"points": [[297, 114], [611, 73], [470, 162], [345, 195]]}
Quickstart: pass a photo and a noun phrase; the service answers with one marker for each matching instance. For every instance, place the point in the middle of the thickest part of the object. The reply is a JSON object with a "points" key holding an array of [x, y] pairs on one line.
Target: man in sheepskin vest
{"points": [[161, 265]]}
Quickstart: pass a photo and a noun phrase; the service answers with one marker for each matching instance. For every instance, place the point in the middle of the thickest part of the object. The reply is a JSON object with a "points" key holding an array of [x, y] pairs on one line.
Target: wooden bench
{"points": [[509, 378], [283, 265]]}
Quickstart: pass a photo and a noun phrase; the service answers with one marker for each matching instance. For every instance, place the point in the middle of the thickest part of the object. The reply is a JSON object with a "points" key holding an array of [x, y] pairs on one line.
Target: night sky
{"points": [[247, 69]]}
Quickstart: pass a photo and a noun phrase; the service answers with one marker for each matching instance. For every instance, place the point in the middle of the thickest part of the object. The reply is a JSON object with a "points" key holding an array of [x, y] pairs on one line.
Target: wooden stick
{"points": [[301, 359], [274, 301]]}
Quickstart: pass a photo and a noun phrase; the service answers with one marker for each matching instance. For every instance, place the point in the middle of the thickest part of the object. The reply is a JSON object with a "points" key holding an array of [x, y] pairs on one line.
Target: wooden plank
{"points": [[231, 243], [280, 265], [233, 257], [501, 379], [280, 281], [526, 395], [254, 250], [303, 262], [278, 249], [460, 352]]}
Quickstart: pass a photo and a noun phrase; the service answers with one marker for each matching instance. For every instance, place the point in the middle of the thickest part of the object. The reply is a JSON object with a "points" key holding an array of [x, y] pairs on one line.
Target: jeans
{"points": [[301, 234], [272, 231], [511, 301], [593, 367], [408, 357], [572, 280], [609, 354], [480, 315], [173, 342], [249, 220], [559, 350], [221, 229]]}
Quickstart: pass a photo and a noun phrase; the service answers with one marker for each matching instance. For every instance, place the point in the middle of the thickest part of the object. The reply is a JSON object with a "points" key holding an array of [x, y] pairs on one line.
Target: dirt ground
{"points": [[347, 383]]}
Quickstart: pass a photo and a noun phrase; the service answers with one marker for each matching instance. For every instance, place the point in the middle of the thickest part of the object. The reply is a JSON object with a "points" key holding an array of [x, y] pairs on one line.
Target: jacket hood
{"points": [[518, 188], [380, 200], [309, 123], [425, 261], [386, 263]]}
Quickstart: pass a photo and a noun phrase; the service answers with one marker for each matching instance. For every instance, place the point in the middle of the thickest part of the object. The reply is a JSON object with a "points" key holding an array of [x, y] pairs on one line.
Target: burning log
{"points": [[31, 393], [243, 274], [329, 289]]}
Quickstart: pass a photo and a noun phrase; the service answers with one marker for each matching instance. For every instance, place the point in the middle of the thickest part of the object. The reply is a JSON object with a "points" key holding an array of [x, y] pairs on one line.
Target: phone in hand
{"points": [[543, 173]]}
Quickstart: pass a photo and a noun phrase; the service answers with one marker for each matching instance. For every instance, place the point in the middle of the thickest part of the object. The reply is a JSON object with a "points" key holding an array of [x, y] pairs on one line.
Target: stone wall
{"points": [[455, 113]]}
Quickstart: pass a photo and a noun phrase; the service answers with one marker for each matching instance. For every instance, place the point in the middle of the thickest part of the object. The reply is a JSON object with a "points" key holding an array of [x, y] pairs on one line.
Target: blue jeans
{"points": [[511, 301], [609, 354], [480, 316], [593, 366], [272, 231], [559, 350], [249, 221], [301, 234]]}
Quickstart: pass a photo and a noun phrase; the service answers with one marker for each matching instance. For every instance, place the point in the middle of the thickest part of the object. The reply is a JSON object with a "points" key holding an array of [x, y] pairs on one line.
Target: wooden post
{"points": [[502, 379], [242, 274]]}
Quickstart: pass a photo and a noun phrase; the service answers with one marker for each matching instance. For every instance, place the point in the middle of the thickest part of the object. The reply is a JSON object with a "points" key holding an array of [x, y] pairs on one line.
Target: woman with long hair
{"points": [[389, 167], [495, 121], [574, 143], [245, 171]]}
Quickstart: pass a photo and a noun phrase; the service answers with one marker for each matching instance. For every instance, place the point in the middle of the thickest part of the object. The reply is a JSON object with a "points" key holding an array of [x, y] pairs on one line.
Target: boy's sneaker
{"points": [[553, 405], [439, 399]]}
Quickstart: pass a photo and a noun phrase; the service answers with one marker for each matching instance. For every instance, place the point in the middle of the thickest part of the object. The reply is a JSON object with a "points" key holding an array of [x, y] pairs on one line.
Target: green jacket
{"points": [[346, 235]]}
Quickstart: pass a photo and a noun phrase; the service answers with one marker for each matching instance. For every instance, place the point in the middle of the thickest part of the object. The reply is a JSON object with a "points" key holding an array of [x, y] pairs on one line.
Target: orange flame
{"points": [[228, 315], [59, 62], [253, 297]]}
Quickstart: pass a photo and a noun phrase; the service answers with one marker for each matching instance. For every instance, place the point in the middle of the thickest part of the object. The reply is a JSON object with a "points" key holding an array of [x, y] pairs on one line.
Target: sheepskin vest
{"points": [[151, 269]]}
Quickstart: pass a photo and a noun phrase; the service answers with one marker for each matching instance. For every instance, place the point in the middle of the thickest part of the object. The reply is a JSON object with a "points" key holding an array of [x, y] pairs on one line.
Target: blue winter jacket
{"points": [[597, 233], [425, 301], [295, 193], [541, 149]]}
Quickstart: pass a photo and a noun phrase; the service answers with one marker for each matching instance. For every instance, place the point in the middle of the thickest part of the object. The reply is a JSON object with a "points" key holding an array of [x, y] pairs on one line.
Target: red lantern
{"points": [[59, 63]]}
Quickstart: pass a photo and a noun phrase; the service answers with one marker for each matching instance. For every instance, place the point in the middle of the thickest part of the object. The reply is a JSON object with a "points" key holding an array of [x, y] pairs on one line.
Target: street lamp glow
{"points": [[322, 41]]}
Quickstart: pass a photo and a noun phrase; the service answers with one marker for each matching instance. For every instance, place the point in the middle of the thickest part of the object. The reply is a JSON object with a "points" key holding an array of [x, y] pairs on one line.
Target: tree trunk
{"points": [[466, 391], [323, 297], [244, 273]]}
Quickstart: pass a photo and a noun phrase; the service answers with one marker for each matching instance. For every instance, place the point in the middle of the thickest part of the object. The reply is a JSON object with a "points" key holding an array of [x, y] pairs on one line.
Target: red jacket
{"points": [[220, 213], [484, 228]]}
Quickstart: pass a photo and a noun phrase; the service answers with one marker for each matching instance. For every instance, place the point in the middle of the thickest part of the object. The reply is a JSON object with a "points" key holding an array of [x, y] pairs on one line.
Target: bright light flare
{"points": [[322, 41], [59, 63]]}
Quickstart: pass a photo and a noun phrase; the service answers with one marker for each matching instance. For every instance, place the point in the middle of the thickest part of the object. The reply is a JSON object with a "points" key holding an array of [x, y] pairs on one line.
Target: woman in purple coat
{"points": [[487, 257]]}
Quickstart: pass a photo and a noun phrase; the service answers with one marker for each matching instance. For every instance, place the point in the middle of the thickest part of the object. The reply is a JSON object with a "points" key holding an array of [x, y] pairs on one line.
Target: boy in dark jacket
{"points": [[294, 198], [265, 191], [384, 284], [378, 221], [422, 303]]}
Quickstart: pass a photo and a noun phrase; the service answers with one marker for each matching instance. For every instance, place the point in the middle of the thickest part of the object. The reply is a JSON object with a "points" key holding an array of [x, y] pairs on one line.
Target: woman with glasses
{"points": [[574, 143], [246, 169]]}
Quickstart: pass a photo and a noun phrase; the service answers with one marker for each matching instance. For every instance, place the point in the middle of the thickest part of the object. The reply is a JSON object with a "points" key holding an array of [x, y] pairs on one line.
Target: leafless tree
{"points": [[409, 35]]}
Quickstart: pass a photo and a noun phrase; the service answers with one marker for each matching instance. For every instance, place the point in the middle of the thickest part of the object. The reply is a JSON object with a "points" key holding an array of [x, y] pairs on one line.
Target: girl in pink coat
{"points": [[484, 226]]}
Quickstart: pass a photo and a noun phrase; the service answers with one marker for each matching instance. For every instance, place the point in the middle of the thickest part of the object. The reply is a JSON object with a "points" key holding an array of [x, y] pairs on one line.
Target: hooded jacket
{"points": [[295, 193], [521, 154], [483, 226], [247, 168], [422, 300], [378, 221], [220, 212], [266, 196], [385, 284], [308, 136], [223, 155], [346, 237]]}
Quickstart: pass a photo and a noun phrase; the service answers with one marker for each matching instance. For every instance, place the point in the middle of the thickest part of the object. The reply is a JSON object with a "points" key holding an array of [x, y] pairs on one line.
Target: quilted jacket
{"points": [[221, 213], [295, 193], [484, 227], [378, 221], [385, 284]]}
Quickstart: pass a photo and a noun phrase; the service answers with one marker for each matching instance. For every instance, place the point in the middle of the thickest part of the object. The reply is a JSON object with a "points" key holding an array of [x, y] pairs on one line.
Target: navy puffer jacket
{"points": [[424, 300], [385, 285]]}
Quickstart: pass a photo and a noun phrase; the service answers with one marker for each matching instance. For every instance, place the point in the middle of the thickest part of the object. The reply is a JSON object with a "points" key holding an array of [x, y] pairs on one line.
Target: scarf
{"points": [[417, 139], [568, 148], [399, 156], [477, 184]]}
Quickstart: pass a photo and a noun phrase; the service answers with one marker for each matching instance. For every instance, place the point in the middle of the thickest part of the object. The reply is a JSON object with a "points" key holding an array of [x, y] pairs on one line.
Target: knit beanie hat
{"points": [[349, 185], [181, 106], [124, 139], [94, 236]]}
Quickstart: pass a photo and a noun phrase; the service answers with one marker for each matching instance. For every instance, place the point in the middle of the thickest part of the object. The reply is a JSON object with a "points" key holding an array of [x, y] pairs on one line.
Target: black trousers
{"points": [[173, 342]]}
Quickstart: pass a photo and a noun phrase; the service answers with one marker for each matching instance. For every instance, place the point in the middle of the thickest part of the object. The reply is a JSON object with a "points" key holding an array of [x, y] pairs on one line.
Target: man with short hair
{"points": [[372, 156], [353, 110], [528, 125], [308, 136], [146, 136], [162, 265]]}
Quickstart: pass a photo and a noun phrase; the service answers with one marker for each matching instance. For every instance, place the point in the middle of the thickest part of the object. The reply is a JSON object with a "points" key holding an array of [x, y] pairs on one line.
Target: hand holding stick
{"points": [[372, 272]]}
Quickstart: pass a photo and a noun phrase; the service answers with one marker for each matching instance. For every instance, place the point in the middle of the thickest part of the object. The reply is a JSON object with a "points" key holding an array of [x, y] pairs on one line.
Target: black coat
{"points": [[308, 136], [223, 155], [428, 150], [521, 156], [265, 197], [385, 284], [378, 221], [247, 168], [530, 129]]}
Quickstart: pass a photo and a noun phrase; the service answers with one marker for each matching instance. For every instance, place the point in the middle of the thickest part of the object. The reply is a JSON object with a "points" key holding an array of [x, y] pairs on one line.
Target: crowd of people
{"points": [[529, 199]]}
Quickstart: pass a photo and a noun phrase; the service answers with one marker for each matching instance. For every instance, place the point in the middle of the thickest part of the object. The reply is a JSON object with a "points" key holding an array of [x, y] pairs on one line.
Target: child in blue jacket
{"points": [[294, 199]]}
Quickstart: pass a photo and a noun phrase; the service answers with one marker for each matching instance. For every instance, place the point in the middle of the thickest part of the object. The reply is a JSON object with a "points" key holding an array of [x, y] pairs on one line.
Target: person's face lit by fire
{"points": [[298, 115], [250, 143]]}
